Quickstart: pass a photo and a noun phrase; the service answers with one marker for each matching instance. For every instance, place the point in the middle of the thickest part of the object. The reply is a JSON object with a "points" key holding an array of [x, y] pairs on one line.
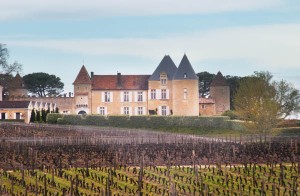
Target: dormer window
{"points": [[184, 75], [163, 79]]}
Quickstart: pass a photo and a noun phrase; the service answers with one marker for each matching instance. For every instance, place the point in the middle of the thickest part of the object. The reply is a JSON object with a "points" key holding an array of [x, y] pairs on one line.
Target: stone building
{"points": [[169, 90]]}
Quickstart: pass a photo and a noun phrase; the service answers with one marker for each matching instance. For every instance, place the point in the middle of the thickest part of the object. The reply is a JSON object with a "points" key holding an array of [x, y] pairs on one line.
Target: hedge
{"points": [[152, 122], [52, 118]]}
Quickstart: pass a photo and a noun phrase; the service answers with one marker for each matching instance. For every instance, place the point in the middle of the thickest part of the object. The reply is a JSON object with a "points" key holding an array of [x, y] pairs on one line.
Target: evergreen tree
{"points": [[32, 117], [43, 115], [38, 116]]}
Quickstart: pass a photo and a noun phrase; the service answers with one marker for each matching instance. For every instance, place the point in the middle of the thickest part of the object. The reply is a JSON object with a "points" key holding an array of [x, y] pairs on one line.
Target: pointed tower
{"points": [[17, 87], [185, 90], [160, 89], [82, 92], [220, 92]]}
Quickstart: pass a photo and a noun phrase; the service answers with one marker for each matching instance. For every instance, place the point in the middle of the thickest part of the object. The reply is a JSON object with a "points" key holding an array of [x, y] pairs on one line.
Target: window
{"points": [[126, 96], [163, 94], [18, 115], [140, 110], [126, 110], [203, 106], [153, 94], [102, 110], [106, 96], [3, 115], [139, 96], [185, 93], [163, 110], [163, 79]]}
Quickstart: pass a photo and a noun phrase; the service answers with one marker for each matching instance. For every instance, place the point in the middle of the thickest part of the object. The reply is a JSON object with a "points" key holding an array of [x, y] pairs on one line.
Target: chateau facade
{"points": [[169, 90]]}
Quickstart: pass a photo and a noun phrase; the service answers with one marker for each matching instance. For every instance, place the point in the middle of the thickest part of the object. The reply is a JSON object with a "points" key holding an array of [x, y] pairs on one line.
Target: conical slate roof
{"points": [[165, 66], [83, 77], [219, 80], [185, 70]]}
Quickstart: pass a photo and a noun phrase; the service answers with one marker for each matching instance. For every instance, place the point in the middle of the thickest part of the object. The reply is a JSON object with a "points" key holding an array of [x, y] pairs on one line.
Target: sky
{"points": [[132, 36]]}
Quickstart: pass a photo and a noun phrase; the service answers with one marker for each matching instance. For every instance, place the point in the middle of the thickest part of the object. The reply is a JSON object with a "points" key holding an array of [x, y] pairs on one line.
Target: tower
{"points": [[82, 92], [160, 88], [17, 87], [220, 92], [185, 90]]}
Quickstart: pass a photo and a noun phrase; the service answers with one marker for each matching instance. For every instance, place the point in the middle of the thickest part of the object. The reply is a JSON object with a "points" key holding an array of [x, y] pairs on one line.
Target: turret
{"points": [[185, 90], [220, 92], [82, 92]]}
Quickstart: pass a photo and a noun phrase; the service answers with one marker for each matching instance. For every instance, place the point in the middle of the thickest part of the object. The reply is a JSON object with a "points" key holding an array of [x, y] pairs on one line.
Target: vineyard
{"points": [[64, 160]]}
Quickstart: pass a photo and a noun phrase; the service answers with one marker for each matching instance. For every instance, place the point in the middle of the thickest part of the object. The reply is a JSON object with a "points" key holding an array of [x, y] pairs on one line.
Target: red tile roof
{"points": [[127, 82], [14, 104], [206, 101], [83, 77]]}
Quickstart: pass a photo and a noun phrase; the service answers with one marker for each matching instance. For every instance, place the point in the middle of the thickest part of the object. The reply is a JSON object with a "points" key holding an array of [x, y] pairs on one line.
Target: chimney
{"points": [[119, 82], [92, 74]]}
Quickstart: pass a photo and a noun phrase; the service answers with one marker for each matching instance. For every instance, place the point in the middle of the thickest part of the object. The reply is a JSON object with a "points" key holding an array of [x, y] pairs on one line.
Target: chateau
{"points": [[169, 90]]}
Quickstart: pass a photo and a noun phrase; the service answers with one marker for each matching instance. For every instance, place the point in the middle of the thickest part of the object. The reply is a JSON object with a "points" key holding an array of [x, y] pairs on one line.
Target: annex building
{"points": [[169, 90]]}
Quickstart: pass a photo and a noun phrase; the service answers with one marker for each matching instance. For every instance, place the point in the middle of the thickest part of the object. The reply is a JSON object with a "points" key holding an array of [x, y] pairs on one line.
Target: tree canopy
{"points": [[255, 103], [205, 79], [5, 66], [7, 70], [261, 102], [43, 84]]}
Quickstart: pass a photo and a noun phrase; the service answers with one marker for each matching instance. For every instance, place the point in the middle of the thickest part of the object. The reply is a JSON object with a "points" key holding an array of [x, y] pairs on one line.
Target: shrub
{"points": [[96, 120], [231, 114], [52, 118], [118, 121]]}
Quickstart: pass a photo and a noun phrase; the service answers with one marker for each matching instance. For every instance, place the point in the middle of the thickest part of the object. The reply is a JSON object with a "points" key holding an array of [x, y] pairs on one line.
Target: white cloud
{"points": [[274, 45], [80, 9]]}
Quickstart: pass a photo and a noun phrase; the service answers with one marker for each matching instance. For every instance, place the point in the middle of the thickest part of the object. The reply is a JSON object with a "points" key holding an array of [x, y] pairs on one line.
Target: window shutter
{"points": [[111, 96], [105, 111], [149, 94], [130, 111], [130, 96], [144, 111], [136, 111], [135, 97], [15, 115], [122, 110], [159, 110], [144, 96], [122, 96], [168, 110], [21, 114], [102, 96], [168, 96], [158, 94]]}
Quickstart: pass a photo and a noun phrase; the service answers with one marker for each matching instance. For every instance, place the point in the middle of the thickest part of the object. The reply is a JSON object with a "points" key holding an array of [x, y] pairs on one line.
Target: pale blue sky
{"points": [[132, 36]]}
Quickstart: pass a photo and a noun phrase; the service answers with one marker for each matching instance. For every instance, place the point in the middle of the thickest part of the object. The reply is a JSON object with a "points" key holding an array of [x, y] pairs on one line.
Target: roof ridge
{"points": [[83, 77], [219, 80], [185, 70]]}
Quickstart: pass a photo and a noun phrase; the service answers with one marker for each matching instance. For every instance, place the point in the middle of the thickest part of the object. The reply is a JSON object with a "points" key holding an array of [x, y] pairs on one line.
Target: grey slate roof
{"points": [[14, 104], [165, 66], [185, 68]]}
